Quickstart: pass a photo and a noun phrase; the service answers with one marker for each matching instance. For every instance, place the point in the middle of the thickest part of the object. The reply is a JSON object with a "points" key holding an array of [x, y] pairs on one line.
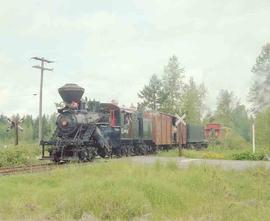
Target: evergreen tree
{"points": [[52, 122], [27, 129], [46, 127], [225, 106], [30, 128], [241, 121], [208, 118], [193, 98], [263, 129], [4, 135], [259, 94], [232, 114], [35, 129], [151, 94], [173, 86]]}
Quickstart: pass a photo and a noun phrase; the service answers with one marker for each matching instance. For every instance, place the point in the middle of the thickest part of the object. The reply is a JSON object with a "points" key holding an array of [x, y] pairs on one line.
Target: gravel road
{"points": [[184, 162]]}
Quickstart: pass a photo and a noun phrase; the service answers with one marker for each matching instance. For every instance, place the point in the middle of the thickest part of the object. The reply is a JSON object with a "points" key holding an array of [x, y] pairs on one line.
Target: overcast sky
{"points": [[111, 48]]}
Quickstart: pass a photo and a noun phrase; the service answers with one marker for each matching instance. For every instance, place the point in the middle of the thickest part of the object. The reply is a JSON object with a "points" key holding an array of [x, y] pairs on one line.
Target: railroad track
{"points": [[27, 169], [34, 168], [4, 171]]}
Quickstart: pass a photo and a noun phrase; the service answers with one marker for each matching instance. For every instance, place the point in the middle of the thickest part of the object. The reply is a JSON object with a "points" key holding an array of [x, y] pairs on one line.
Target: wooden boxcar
{"points": [[162, 130]]}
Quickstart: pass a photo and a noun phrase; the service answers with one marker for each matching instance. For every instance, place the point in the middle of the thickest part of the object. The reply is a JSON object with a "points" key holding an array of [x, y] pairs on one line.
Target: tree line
{"points": [[30, 128], [259, 96], [172, 93]]}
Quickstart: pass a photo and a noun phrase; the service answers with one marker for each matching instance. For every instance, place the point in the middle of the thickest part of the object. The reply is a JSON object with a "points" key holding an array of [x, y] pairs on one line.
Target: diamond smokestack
{"points": [[71, 92]]}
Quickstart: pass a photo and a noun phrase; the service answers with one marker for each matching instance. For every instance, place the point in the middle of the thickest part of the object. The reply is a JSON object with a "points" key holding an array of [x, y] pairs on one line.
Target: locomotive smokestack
{"points": [[71, 92]]}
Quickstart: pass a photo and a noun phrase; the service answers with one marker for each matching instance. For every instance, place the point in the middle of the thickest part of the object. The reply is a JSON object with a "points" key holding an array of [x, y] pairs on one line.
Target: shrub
{"points": [[263, 128], [213, 155], [20, 155], [232, 140], [248, 156]]}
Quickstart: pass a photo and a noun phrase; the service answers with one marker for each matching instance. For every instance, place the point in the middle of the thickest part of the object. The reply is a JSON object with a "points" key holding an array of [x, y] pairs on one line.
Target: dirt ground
{"points": [[184, 162]]}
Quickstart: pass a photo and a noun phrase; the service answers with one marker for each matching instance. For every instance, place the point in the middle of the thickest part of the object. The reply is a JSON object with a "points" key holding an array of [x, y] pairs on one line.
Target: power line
{"points": [[19, 96]]}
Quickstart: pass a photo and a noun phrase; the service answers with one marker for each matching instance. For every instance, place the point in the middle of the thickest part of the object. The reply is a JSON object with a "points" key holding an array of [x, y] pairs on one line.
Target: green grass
{"points": [[23, 154], [205, 153], [216, 153], [118, 190]]}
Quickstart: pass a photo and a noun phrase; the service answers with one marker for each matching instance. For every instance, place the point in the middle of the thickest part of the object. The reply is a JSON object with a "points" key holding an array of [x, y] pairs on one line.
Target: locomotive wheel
{"points": [[86, 155], [126, 151], [123, 151], [131, 150], [136, 150], [101, 153], [144, 149], [140, 150], [91, 155], [82, 155], [118, 151]]}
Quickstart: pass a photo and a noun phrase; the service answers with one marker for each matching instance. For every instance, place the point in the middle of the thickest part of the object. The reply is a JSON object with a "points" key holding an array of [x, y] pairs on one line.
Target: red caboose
{"points": [[213, 130]]}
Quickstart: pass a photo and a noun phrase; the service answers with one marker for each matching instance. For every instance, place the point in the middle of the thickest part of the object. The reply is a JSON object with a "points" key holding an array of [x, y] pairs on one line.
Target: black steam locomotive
{"points": [[79, 133], [84, 131]]}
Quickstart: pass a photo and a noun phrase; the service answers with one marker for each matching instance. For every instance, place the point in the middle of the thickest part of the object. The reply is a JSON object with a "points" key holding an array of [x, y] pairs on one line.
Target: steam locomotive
{"points": [[85, 130]]}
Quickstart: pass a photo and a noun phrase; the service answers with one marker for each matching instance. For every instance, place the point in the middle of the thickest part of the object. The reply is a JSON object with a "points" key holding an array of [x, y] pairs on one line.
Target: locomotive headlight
{"points": [[64, 123]]}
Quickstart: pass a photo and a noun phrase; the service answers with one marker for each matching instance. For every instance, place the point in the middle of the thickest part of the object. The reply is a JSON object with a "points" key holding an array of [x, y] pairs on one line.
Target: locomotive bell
{"points": [[71, 92]]}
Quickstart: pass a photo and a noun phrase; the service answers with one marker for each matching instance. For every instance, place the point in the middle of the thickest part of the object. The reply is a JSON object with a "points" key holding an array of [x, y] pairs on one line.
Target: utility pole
{"points": [[42, 68]]}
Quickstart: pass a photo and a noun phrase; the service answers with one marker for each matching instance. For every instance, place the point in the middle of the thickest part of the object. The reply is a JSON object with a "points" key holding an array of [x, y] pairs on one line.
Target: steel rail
{"points": [[27, 169]]}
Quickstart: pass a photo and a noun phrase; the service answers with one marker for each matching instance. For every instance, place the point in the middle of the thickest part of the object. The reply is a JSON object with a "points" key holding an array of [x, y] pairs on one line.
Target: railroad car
{"points": [[196, 136], [87, 129], [213, 130]]}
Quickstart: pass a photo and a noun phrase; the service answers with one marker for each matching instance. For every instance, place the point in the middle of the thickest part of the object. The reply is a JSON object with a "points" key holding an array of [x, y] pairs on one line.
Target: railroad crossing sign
{"points": [[15, 125]]}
